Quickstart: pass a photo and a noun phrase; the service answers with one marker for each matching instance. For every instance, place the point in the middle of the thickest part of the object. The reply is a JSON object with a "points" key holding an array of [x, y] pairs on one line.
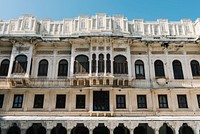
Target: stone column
{"points": [[91, 131], [91, 100], [29, 59], [69, 131], [12, 59], [105, 66], [196, 131], [176, 130], [111, 131], [23, 131], [3, 131], [111, 101], [156, 131]]}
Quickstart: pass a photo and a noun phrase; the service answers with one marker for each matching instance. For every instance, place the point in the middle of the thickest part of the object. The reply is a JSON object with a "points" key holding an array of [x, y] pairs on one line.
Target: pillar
{"points": [[91, 131], [156, 131], [196, 131], [177, 130], [91, 100], [23, 131], [29, 59], [69, 131], [111, 131]]}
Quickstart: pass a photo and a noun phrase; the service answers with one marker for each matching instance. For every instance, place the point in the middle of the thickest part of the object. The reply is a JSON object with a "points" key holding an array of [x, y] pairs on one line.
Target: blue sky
{"points": [[150, 10]]}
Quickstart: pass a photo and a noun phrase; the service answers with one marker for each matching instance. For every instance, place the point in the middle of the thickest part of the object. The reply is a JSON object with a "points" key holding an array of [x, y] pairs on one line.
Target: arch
{"points": [[36, 128], [101, 129], [80, 129], [195, 68], [120, 65], [101, 63], [63, 68], [121, 130], [177, 69], [139, 69], [4, 67], [43, 68], [14, 129], [20, 64], [59, 129], [165, 129], [185, 129], [159, 69], [143, 128], [81, 64]]}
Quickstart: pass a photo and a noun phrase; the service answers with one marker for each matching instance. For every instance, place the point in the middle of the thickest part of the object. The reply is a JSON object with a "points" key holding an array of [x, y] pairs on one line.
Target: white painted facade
{"points": [[135, 40]]}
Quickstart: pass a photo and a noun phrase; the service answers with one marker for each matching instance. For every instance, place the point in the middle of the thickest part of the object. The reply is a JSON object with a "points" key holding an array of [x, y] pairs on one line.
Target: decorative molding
{"points": [[44, 52]]}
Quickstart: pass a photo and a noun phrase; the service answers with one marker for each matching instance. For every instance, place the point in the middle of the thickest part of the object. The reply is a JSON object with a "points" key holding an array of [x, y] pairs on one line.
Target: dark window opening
{"points": [[139, 69], [162, 99], [182, 101], [101, 63], [177, 69], [141, 101], [108, 64], [121, 101], [60, 101], [195, 68], [81, 64], [18, 100], [120, 65], [38, 101], [4, 67], [94, 63], [159, 69], [20, 64], [1, 100], [43, 68], [80, 101], [63, 68]]}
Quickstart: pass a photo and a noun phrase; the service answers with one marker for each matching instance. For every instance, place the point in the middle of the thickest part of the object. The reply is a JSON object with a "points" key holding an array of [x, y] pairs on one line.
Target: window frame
{"points": [[63, 68], [198, 100], [177, 70], [4, 67], [139, 69], [163, 101], [141, 105], [121, 101], [20, 65], [120, 67], [182, 104], [43, 68], [81, 67], [17, 102], [38, 101], [80, 101], [195, 68], [159, 69], [60, 101]]}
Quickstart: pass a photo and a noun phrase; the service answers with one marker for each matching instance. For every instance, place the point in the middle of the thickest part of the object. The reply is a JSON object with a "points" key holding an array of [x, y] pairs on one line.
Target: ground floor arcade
{"points": [[99, 125]]}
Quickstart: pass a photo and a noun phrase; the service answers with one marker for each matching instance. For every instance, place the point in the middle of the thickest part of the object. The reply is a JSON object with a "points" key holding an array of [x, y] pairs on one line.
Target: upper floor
{"points": [[101, 23], [99, 61]]}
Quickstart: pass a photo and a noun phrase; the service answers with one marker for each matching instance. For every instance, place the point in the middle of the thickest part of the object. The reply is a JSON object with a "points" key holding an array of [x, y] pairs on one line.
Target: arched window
{"points": [[101, 63], [108, 64], [177, 69], [14, 129], [159, 68], [120, 65], [195, 68], [20, 64], [93, 63], [63, 68], [81, 64], [4, 67], [43, 68], [139, 70]]}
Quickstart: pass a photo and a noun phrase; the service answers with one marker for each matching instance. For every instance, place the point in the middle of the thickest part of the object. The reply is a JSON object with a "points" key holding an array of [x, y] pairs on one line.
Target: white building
{"points": [[99, 75]]}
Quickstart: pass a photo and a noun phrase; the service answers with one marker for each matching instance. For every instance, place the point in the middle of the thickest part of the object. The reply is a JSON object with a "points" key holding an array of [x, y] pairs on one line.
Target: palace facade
{"points": [[99, 75]]}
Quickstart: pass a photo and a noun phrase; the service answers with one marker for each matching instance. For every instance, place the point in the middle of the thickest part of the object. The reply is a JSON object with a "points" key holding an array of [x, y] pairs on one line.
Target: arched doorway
{"points": [[185, 129], [143, 128], [165, 129], [36, 128], [59, 129], [80, 129], [14, 129], [121, 130], [101, 129]]}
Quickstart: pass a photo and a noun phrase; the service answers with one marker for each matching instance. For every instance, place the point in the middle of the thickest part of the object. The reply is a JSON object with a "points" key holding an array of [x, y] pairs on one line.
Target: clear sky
{"points": [[150, 10]]}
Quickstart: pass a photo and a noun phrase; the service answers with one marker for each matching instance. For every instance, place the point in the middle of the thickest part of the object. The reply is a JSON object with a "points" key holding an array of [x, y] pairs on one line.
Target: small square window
{"points": [[1, 100], [80, 101], [60, 101], [182, 101], [18, 100], [39, 100], [162, 99], [121, 101], [141, 100]]}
